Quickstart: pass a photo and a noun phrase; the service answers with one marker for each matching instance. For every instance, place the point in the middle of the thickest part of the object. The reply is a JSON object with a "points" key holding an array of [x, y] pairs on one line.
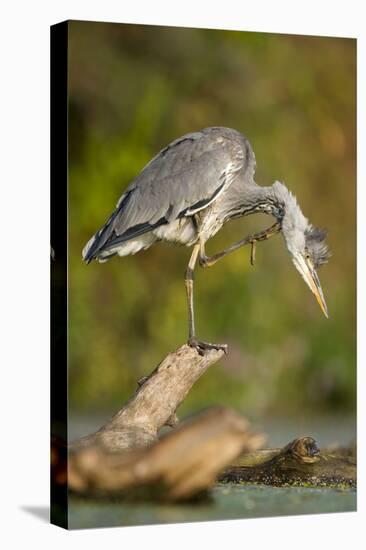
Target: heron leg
{"points": [[189, 280], [208, 261]]}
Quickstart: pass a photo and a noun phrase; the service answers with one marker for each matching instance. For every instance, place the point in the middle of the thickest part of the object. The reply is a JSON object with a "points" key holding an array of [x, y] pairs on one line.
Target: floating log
{"points": [[299, 463]]}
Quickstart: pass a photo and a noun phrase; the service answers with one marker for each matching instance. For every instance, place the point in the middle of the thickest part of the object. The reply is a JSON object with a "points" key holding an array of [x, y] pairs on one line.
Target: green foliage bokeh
{"points": [[134, 88]]}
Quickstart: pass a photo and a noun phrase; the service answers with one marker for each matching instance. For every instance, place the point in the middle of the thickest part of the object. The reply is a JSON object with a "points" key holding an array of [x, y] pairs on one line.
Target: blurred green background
{"points": [[133, 89]]}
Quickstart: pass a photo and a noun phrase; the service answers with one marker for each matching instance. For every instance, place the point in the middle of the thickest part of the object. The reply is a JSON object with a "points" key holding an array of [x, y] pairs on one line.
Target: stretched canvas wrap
{"points": [[203, 274]]}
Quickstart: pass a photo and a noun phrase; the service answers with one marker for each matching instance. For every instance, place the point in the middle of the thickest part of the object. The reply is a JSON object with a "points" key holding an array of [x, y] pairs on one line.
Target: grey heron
{"points": [[188, 191]]}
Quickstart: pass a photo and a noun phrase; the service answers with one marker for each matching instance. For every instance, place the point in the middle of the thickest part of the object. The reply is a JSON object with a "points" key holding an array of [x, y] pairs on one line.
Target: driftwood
{"points": [[182, 464], [155, 402], [126, 457], [298, 463]]}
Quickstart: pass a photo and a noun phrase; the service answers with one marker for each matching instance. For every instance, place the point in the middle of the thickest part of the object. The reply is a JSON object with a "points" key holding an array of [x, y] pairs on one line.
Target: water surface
{"points": [[226, 502]]}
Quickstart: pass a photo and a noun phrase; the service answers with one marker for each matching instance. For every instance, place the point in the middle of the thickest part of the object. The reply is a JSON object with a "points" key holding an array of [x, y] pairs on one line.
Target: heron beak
{"points": [[308, 273]]}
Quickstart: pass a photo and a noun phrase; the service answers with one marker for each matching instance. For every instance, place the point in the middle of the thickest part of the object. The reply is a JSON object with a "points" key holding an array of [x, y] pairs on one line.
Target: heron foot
{"points": [[202, 347]]}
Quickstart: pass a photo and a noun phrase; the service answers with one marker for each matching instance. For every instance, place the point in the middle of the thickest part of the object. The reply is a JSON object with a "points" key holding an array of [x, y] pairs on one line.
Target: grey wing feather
{"points": [[183, 174], [182, 179]]}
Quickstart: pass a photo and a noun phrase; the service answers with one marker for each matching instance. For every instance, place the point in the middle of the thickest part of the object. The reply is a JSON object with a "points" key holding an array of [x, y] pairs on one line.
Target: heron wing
{"points": [[183, 178]]}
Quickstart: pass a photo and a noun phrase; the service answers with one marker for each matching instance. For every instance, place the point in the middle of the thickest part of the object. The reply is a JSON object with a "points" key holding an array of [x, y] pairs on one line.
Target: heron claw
{"points": [[202, 347], [252, 253]]}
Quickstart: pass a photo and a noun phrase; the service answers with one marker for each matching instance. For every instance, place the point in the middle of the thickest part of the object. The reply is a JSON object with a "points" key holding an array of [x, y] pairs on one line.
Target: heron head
{"points": [[306, 245], [307, 258]]}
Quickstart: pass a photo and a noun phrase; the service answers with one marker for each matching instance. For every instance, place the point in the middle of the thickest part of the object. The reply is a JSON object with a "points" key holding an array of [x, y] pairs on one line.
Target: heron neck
{"points": [[287, 210], [277, 201], [255, 199], [271, 202]]}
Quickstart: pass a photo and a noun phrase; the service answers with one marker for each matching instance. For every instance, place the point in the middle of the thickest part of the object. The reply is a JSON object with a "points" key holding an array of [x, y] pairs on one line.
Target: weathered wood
{"points": [[155, 402], [298, 463], [182, 464], [126, 458]]}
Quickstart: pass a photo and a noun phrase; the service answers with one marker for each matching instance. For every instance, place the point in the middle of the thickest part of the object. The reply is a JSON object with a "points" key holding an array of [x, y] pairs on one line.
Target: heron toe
{"points": [[202, 347]]}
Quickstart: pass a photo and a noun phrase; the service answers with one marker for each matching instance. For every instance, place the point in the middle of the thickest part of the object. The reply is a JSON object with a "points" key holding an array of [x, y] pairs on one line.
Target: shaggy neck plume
{"points": [[288, 211]]}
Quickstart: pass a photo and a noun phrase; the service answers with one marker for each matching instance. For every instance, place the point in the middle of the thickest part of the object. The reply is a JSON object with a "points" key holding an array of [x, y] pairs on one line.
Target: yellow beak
{"points": [[310, 276]]}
